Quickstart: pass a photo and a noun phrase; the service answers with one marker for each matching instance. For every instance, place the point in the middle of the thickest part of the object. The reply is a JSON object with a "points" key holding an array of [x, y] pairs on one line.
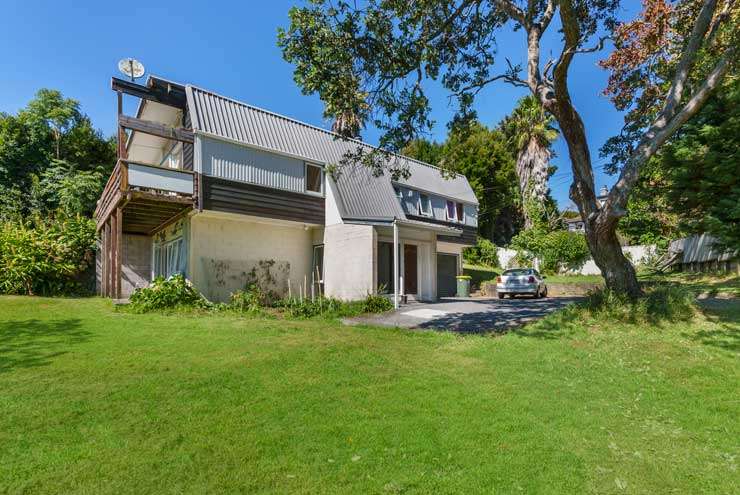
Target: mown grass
{"points": [[710, 284], [99, 401]]}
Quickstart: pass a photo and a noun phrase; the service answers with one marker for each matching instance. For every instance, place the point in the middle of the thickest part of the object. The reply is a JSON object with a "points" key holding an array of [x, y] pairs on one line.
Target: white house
{"points": [[213, 188]]}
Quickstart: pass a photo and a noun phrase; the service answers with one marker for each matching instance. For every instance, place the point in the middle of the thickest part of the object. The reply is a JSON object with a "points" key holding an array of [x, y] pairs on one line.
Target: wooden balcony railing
{"points": [[147, 181]]}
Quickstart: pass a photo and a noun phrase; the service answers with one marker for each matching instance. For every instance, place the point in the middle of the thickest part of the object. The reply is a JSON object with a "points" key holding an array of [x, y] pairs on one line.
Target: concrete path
{"points": [[472, 315]]}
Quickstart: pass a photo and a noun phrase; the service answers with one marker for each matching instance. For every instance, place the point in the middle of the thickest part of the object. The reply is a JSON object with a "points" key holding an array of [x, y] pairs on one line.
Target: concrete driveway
{"points": [[471, 315]]}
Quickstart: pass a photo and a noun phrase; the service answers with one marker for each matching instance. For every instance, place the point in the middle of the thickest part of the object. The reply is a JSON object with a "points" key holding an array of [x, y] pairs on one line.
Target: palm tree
{"points": [[532, 133]]}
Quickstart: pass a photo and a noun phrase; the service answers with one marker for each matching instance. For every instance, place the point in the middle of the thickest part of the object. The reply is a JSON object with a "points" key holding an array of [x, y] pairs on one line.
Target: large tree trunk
{"points": [[531, 168], [617, 270]]}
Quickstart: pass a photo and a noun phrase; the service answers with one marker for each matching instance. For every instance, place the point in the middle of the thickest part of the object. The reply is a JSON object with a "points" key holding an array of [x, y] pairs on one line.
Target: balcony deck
{"points": [[147, 196]]}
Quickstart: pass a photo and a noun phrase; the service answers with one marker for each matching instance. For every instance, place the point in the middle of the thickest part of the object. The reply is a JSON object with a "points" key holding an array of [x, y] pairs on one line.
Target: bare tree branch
{"points": [[598, 47], [547, 15], [512, 11], [658, 134], [688, 57]]}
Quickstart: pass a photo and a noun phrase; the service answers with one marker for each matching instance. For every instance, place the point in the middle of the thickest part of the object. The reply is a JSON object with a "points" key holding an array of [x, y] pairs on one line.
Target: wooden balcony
{"points": [[148, 196], [138, 198]]}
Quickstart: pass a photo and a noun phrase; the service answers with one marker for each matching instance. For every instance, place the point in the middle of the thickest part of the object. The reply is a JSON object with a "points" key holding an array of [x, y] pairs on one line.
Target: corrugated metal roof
{"points": [[362, 195]]}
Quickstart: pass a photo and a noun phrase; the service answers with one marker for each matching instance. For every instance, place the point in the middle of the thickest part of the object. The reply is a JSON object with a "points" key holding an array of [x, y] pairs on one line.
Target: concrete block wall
{"points": [[349, 261], [136, 265], [224, 248]]}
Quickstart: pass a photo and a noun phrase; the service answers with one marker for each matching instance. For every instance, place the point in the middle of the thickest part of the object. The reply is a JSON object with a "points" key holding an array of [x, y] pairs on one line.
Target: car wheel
{"points": [[544, 292]]}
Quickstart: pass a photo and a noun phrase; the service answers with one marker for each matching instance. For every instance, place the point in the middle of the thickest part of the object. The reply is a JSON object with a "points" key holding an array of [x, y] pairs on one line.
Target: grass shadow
{"points": [[32, 343], [725, 314]]}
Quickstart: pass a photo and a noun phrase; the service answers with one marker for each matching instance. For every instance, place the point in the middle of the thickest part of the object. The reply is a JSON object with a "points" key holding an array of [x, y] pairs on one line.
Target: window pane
{"points": [[313, 178], [460, 213], [385, 267], [450, 210], [425, 206]]}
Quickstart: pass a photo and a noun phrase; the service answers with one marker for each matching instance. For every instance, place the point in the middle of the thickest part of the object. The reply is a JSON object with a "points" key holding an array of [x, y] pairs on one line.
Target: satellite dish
{"points": [[131, 67]]}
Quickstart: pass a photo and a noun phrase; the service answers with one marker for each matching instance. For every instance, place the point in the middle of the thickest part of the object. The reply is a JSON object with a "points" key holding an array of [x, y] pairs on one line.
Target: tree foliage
{"points": [[46, 256], [531, 131], [51, 156], [373, 59], [703, 163], [53, 165], [483, 155]]}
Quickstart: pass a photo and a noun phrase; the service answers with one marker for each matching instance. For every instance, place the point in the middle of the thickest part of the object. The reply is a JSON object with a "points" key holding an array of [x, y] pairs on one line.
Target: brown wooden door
{"points": [[410, 285]]}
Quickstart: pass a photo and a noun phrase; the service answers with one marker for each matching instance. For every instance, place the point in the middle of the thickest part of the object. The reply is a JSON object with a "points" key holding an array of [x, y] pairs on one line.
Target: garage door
{"points": [[446, 273]]}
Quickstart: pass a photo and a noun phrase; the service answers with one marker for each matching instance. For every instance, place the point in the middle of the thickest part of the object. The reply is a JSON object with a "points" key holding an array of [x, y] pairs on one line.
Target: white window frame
{"points": [[461, 209], [320, 192], [399, 192], [429, 204], [452, 218]]}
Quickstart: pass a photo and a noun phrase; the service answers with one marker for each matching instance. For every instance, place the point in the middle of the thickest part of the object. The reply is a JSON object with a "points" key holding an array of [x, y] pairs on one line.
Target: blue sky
{"points": [[230, 48]]}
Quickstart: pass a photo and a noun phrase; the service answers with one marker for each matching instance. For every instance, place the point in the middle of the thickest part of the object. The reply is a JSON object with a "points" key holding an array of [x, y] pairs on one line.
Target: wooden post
{"points": [[121, 133], [103, 267], [119, 251], [106, 291]]}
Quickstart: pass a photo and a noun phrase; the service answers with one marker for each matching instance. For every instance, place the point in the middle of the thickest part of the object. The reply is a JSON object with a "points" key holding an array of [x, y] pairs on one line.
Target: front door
{"points": [[410, 282]]}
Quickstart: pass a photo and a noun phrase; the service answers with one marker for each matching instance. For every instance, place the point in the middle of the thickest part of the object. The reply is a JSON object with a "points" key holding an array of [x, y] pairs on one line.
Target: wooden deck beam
{"points": [[156, 129], [170, 95]]}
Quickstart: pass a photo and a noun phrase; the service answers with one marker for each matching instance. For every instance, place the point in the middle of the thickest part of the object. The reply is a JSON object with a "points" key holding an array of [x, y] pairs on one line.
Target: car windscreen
{"points": [[517, 273]]}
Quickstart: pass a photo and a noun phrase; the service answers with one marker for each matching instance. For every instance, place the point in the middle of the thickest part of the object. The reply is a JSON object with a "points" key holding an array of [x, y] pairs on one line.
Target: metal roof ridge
{"points": [[317, 128]]}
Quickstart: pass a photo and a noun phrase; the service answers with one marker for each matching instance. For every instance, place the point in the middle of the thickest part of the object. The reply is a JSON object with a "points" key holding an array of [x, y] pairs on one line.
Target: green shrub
{"points": [[557, 250], [484, 253], [334, 308], [166, 293], [321, 306], [374, 303], [45, 256], [662, 303], [249, 300]]}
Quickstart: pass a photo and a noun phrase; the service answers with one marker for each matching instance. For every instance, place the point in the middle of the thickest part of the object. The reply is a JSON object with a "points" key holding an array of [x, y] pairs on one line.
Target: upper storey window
{"points": [[425, 205], [455, 212], [314, 179], [460, 213]]}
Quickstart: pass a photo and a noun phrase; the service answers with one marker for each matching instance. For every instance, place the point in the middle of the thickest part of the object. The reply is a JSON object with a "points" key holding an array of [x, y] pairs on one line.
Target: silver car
{"points": [[521, 281]]}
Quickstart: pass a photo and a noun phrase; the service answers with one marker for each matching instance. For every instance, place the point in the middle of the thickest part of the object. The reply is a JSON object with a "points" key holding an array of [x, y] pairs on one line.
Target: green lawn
{"points": [[98, 401], [701, 283]]}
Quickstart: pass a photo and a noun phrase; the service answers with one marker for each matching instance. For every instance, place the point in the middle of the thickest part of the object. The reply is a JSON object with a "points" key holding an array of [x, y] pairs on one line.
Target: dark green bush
{"points": [[45, 256], [166, 293]]}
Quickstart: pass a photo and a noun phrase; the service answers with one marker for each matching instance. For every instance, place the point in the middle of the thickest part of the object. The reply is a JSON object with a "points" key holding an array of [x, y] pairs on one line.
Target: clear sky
{"points": [[230, 48]]}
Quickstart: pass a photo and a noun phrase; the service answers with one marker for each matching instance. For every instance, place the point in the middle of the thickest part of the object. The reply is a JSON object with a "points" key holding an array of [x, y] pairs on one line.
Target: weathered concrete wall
{"points": [[136, 266], [349, 261], [224, 249]]}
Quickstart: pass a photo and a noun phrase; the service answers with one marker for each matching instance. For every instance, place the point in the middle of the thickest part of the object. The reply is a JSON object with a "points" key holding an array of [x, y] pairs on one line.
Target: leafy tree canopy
{"points": [[51, 157], [484, 156]]}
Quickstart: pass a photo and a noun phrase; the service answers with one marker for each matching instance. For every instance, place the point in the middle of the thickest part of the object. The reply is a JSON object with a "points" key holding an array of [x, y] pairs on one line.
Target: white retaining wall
{"points": [[637, 254]]}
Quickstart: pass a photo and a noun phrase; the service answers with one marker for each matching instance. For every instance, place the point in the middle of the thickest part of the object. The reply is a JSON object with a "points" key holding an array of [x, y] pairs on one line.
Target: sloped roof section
{"points": [[361, 194]]}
